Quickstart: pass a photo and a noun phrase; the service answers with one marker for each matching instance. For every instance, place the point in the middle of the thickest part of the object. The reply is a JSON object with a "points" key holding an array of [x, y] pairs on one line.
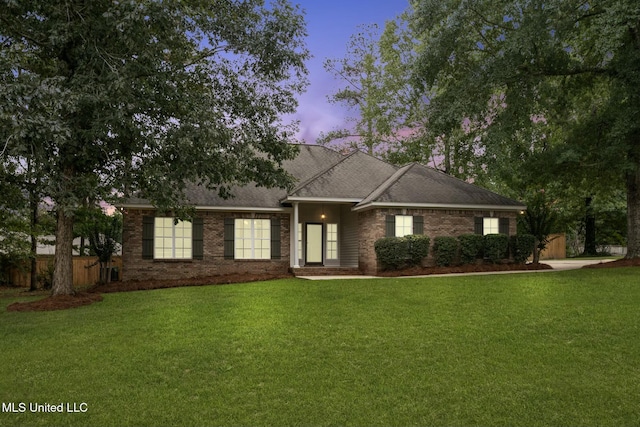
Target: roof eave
{"points": [[215, 208], [374, 205], [290, 199]]}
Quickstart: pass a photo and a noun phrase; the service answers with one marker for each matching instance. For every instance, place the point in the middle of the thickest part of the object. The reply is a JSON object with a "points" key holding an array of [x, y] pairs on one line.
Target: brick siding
{"points": [[213, 262], [371, 227]]}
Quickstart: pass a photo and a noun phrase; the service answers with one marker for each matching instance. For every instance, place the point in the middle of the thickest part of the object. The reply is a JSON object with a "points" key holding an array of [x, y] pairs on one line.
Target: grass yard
{"points": [[558, 348]]}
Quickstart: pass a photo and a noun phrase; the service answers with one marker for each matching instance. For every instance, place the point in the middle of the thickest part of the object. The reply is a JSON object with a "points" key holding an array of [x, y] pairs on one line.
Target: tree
{"points": [[539, 220], [20, 213], [570, 69], [146, 97], [14, 232], [375, 74], [104, 233]]}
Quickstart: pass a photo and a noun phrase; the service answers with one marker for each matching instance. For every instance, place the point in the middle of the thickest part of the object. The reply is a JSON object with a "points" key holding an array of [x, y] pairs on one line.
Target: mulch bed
{"points": [[63, 302], [467, 268], [93, 294], [58, 302], [634, 262]]}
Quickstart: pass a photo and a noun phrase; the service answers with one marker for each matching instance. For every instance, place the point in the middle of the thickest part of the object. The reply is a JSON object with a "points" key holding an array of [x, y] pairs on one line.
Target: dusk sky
{"points": [[330, 24]]}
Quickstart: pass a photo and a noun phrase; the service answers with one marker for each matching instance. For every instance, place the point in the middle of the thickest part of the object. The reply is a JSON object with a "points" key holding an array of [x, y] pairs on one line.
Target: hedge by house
{"points": [[417, 248], [522, 246], [396, 252], [391, 252], [470, 247], [496, 247], [445, 250]]}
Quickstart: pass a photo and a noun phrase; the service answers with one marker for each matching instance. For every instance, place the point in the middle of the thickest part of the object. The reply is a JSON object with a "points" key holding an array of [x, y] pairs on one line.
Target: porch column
{"points": [[296, 261]]}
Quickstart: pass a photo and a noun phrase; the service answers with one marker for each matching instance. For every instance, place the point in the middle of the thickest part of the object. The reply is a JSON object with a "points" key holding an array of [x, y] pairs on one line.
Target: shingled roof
{"points": [[419, 185], [324, 175], [352, 179]]}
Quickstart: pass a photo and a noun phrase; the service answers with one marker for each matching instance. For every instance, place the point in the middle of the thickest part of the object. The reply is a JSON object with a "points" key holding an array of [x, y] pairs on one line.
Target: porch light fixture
{"points": [[322, 215]]}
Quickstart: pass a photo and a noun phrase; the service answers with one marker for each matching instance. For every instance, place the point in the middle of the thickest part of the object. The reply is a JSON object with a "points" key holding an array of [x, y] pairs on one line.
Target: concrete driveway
{"points": [[572, 264]]}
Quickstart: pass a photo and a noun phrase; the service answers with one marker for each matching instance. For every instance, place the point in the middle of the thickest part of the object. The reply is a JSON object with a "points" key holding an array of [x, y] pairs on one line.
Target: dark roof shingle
{"points": [[418, 184], [324, 174], [353, 177]]}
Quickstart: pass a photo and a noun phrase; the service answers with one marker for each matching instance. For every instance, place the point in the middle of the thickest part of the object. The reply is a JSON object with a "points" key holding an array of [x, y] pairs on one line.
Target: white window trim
{"points": [[264, 252], [160, 223], [332, 253]]}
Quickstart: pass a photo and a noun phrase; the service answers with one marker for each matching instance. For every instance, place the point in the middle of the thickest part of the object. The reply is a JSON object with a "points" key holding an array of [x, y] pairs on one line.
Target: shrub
{"points": [[445, 250], [522, 246], [396, 252], [470, 247], [496, 247], [417, 248], [391, 252]]}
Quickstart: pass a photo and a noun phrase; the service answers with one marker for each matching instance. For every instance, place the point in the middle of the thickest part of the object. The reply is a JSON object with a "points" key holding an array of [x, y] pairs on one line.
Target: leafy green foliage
{"points": [[522, 246], [124, 97], [550, 92], [391, 252], [445, 250], [394, 253], [496, 247], [539, 220], [375, 74], [470, 247], [418, 248], [104, 233]]}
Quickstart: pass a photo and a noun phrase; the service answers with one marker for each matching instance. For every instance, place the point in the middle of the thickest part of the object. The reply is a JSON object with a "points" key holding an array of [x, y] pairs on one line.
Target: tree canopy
{"points": [[551, 86], [375, 83], [117, 97]]}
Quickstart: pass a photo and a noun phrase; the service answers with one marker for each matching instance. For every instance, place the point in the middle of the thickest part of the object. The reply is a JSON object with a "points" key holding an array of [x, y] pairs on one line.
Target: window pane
{"points": [[404, 225], [171, 240], [490, 226], [252, 239]]}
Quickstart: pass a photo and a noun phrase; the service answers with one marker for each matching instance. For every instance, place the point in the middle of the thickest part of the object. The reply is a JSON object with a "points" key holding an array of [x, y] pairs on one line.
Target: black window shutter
{"points": [[147, 237], [275, 238], [198, 238], [229, 236], [390, 222], [418, 224], [503, 226], [479, 225]]}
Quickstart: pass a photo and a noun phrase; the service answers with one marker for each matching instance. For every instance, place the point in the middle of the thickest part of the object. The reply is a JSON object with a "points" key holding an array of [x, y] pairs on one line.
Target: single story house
{"points": [[340, 206]]}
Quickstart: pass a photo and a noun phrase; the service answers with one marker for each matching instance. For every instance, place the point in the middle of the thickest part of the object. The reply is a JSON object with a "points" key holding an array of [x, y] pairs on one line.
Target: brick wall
{"points": [[371, 225], [213, 262]]}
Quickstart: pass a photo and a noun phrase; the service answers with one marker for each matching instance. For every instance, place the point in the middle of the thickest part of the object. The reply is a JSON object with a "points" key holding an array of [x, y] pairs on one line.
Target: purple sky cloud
{"points": [[330, 24]]}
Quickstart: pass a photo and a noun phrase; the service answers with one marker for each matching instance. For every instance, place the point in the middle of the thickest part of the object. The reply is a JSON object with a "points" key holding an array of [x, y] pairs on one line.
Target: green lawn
{"points": [[525, 349]]}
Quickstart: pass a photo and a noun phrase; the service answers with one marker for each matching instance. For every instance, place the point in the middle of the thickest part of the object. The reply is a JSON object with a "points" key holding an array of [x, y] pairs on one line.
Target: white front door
{"points": [[314, 244]]}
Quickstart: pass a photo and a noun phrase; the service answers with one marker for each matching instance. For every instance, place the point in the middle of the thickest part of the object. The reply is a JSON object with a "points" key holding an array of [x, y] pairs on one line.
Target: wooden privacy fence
{"points": [[556, 248], [86, 270]]}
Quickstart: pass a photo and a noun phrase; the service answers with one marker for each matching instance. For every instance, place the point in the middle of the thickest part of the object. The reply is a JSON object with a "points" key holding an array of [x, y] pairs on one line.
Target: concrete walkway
{"points": [[557, 265]]}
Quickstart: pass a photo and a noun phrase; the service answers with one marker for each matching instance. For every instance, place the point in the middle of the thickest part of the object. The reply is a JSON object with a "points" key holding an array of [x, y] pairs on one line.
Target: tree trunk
{"points": [[63, 261], [33, 210], [33, 283], [447, 156], [633, 213], [590, 247], [536, 251]]}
